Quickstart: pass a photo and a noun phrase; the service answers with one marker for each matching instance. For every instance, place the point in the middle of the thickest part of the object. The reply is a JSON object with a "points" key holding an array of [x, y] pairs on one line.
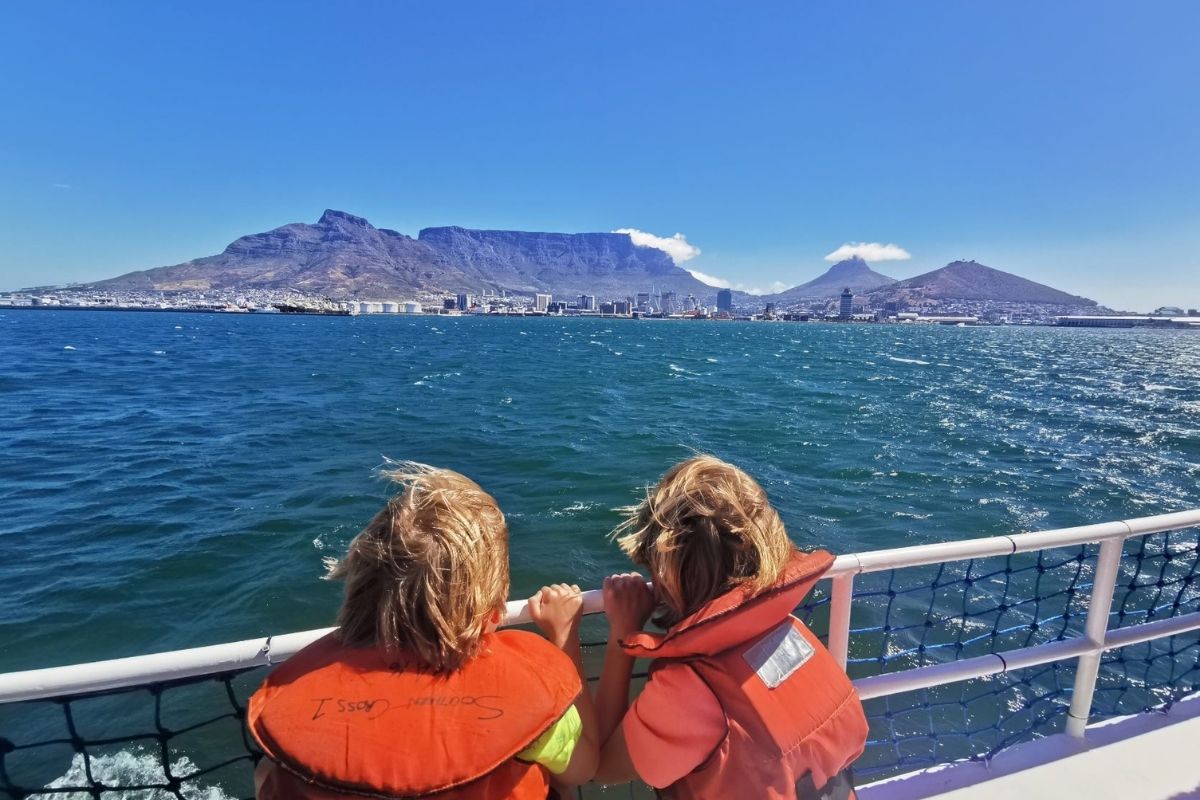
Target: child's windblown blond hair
{"points": [[429, 572], [706, 528]]}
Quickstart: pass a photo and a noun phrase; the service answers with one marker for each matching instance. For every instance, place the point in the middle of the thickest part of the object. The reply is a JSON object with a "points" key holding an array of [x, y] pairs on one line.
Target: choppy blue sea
{"points": [[171, 480]]}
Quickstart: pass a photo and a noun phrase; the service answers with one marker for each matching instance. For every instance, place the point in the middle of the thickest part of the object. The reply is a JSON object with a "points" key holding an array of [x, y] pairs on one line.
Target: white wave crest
{"points": [[573, 509], [132, 767]]}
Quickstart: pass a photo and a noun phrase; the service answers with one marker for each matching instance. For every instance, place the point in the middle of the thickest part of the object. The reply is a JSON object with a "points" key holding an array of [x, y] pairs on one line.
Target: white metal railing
{"points": [[1088, 648]]}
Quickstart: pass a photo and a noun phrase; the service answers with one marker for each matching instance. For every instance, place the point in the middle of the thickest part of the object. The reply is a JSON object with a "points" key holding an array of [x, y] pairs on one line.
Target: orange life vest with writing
{"points": [[792, 716], [343, 722]]}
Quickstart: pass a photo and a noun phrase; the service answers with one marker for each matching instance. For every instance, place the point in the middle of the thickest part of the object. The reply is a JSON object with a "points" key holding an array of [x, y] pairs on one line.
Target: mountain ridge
{"points": [[344, 255], [852, 273], [972, 281]]}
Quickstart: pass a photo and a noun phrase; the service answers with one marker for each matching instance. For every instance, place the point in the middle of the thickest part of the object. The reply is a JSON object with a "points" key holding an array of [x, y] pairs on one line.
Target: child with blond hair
{"points": [[742, 699], [417, 693]]}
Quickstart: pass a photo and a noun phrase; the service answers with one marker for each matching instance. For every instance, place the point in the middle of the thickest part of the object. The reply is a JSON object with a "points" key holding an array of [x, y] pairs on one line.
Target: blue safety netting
{"points": [[920, 616], [187, 739], [1161, 580]]}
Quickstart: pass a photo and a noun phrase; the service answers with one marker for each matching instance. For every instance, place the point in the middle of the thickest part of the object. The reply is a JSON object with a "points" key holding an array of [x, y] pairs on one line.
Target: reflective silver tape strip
{"points": [[778, 654]]}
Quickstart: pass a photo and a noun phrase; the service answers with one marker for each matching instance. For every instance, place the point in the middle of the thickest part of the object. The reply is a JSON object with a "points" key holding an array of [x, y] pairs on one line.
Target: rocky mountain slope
{"points": [[566, 264], [971, 281], [852, 274], [345, 256]]}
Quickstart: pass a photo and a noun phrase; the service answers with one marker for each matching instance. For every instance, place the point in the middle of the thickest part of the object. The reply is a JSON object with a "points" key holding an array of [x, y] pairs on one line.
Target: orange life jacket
{"points": [[349, 722], [792, 716]]}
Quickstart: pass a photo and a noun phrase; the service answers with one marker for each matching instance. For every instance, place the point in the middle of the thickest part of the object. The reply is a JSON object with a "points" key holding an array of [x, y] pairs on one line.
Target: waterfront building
{"points": [[463, 301], [622, 307], [587, 302], [541, 302], [449, 304], [643, 302], [667, 303], [1126, 321], [847, 307], [608, 307], [725, 300], [949, 319]]}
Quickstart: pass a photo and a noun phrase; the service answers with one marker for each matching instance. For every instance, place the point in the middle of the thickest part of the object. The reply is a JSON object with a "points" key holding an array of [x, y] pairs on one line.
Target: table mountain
{"points": [[345, 256], [605, 264]]}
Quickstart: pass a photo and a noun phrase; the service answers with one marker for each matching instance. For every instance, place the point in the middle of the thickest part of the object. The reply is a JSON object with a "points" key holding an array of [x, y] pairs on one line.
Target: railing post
{"points": [[1095, 628], [839, 617]]}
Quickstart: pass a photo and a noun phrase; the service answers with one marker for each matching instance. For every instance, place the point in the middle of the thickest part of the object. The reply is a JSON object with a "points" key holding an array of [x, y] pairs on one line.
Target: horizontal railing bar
{"points": [[925, 554], [117, 673], [287, 645], [517, 612], [232, 656], [1164, 522], [965, 669], [1010, 660], [1146, 631]]}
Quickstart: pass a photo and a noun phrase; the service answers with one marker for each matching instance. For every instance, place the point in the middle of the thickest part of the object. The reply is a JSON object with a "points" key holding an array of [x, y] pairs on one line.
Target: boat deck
{"points": [[1143, 757]]}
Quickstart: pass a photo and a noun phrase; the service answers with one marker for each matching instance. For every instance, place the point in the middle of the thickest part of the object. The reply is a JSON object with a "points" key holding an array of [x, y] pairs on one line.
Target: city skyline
{"points": [[753, 144]]}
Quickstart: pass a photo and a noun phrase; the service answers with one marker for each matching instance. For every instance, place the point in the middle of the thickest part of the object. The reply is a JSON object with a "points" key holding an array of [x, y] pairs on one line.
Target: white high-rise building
{"points": [[541, 302]]}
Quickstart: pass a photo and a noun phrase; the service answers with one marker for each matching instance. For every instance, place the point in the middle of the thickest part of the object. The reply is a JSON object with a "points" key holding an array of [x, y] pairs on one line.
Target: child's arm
{"points": [[628, 602], [556, 610]]}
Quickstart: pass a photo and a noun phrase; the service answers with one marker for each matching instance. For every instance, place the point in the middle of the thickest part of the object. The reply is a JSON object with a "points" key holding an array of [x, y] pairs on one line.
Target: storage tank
{"points": [[412, 308], [364, 308], [391, 308]]}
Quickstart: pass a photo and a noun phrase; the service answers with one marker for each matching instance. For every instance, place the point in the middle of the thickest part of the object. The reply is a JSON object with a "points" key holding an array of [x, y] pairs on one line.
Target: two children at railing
{"points": [[419, 695]]}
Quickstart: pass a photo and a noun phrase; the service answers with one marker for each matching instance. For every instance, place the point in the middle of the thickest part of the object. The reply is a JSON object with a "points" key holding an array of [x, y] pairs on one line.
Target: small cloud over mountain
{"points": [[869, 251], [677, 246]]}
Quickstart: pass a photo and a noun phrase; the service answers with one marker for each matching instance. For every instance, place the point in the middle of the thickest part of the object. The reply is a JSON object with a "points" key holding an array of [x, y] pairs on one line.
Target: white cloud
{"points": [[869, 251], [721, 283], [681, 250], [677, 246], [773, 288], [711, 280]]}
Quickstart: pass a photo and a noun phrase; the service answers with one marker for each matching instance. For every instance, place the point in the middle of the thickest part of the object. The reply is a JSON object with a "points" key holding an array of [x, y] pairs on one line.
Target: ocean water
{"points": [[172, 480]]}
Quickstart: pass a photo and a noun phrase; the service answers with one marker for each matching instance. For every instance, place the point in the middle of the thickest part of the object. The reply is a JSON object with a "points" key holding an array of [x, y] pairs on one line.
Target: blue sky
{"points": [[1060, 141]]}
